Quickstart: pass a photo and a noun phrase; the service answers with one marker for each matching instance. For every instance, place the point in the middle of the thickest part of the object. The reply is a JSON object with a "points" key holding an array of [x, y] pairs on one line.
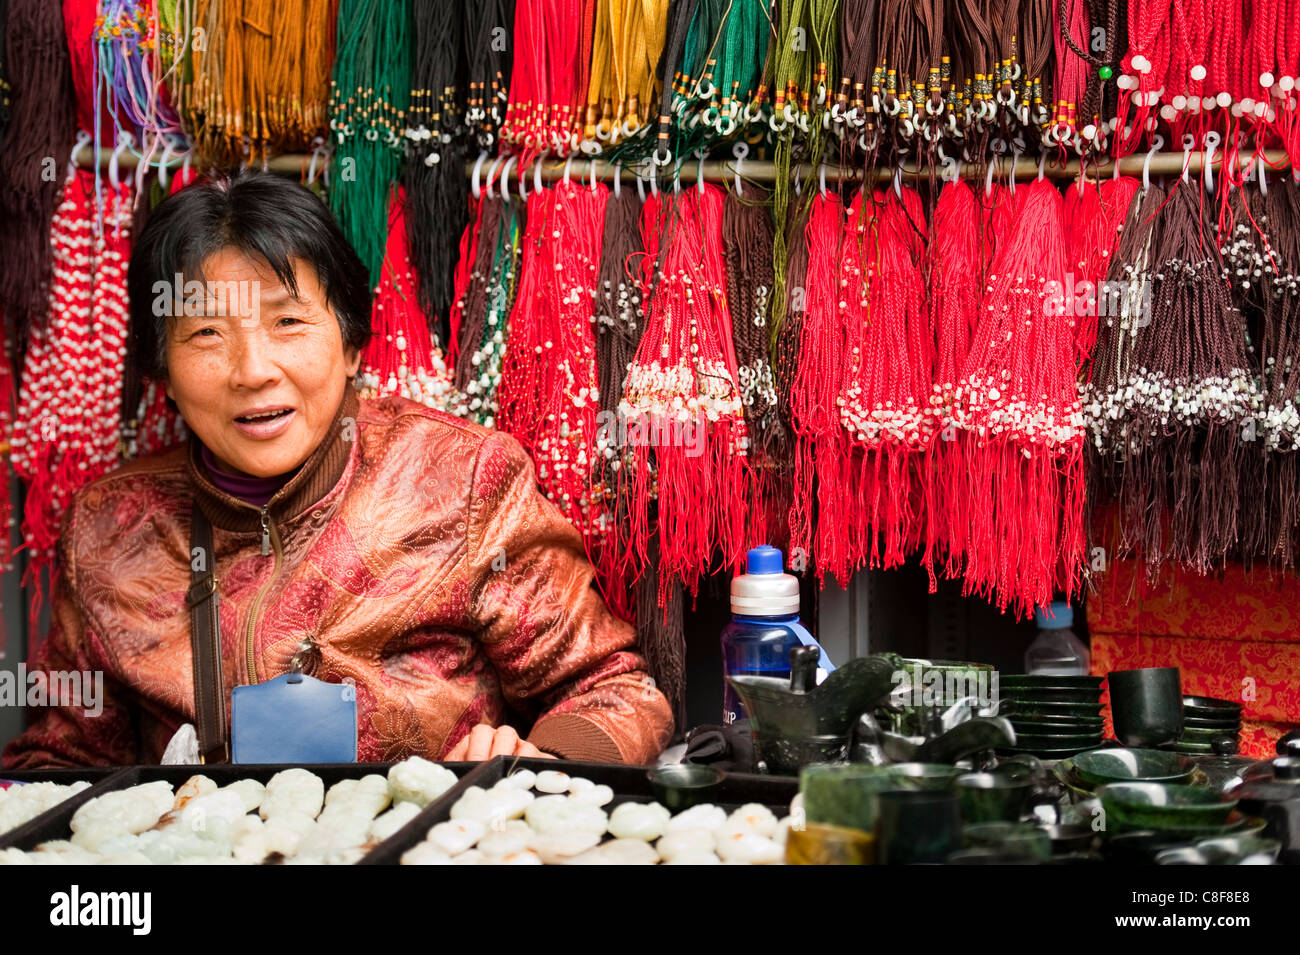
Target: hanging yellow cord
{"points": [[645, 42], [261, 77]]}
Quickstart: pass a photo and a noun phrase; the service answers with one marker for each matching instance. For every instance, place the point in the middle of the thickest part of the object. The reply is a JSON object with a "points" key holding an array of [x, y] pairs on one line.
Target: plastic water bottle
{"points": [[1056, 651], [764, 626]]}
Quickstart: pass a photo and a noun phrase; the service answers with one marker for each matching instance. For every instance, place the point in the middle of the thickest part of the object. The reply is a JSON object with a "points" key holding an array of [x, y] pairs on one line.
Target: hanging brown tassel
{"points": [[36, 149]]}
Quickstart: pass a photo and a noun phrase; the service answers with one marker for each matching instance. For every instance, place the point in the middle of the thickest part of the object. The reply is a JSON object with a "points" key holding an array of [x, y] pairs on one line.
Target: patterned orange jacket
{"points": [[412, 549]]}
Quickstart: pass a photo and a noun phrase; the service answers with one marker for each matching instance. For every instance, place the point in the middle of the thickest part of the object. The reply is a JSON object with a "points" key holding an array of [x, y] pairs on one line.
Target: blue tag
{"points": [[294, 719]]}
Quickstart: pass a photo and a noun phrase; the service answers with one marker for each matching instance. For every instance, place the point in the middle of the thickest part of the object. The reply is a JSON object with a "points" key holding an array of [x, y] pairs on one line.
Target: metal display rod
{"points": [[763, 171]]}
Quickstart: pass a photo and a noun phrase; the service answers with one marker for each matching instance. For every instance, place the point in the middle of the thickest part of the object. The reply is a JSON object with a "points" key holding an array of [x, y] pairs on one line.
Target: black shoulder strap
{"points": [[205, 642]]}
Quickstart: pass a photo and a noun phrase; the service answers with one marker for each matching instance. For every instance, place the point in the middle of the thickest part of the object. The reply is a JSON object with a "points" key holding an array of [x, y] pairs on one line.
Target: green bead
{"points": [[1105, 72]]}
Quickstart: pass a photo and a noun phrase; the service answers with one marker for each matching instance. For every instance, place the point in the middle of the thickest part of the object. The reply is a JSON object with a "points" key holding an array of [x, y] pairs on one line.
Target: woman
{"points": [[388, 545]]}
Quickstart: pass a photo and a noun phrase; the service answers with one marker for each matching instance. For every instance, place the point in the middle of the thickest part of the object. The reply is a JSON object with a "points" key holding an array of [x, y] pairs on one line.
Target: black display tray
{"points": [[630, 784], [56, 824]]}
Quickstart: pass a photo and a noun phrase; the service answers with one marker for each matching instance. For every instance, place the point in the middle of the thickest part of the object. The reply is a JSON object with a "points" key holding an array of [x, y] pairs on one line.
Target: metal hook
{"points": [[618, 178], [988, 179], [537, 174], [699, 174], [1189, 141], [898, 181], [821, 179], [1260, 170], [568, 164]]}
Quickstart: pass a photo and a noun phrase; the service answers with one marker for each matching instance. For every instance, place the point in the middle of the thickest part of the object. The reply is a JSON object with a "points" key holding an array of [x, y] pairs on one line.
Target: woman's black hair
{"points": [[266, 217]]}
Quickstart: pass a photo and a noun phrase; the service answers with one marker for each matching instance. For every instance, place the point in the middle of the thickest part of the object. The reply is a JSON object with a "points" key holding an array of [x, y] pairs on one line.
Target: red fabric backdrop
{"points": [[1236, 637]]}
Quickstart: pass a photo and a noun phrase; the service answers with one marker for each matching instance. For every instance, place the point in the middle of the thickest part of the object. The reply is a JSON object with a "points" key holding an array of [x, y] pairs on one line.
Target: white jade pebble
{"points": [[559, 844], [250, 792], [755, 817], [417, 780], [628, 852], [470, 857], [750, 848], [388, 824], [704, 816], [694, 858], [551, 781], [590, 857], [686, 842], [426, 853], [560, 813], [493, 807], [341, 791], [522, 857], [515, 836], [192, 787], [634, 820], [456, 836], [519, 779], [595, 796], [783, 829], [580, 784]]}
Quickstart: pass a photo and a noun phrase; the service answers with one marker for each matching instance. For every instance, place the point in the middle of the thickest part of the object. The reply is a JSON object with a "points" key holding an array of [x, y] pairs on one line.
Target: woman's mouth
{"points": [[264, 423]]}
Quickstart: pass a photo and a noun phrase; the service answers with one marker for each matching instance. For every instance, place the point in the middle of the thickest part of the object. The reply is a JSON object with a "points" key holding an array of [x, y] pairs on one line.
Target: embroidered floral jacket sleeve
{"points": [[557, 648]]}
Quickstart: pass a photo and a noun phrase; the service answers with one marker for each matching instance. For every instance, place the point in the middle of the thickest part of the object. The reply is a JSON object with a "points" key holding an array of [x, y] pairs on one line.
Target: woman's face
{"points": [[257, 374]]}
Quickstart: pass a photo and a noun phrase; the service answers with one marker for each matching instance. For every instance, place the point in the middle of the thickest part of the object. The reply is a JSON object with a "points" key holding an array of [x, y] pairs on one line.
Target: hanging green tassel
{"points": [[369, 94]]}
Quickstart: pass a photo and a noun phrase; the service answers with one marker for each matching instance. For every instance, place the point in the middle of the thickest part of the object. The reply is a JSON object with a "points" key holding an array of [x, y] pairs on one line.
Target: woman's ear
{"points": [[353, 358]]}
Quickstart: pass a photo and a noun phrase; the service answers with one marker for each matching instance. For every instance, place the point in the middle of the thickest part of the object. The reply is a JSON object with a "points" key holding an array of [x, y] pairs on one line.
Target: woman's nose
{"points": [[253, 364]]}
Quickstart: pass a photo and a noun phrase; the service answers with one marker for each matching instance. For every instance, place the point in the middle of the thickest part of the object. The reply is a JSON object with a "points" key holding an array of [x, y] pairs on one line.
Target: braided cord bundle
{"points": [[436, 191], [368, 99]]}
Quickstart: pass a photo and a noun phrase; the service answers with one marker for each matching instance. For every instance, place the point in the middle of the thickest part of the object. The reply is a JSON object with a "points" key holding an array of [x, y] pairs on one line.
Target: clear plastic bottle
{"points": [[1056, 651], [764, 626]]}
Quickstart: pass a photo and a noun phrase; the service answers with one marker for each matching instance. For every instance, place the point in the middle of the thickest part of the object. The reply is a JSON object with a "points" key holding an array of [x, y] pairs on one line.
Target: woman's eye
{"points": [[208, 332], [288, 320]]}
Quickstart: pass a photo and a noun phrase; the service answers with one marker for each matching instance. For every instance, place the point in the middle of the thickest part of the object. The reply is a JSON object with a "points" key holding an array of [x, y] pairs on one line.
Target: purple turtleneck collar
{"points": [[253, 490]]}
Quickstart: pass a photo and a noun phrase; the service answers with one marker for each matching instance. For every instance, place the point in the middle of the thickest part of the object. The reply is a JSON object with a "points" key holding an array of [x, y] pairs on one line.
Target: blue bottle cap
{"points": [[764, 560], [1059, 617]]}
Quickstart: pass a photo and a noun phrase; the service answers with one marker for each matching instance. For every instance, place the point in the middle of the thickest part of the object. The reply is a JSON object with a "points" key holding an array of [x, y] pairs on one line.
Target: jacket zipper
{"points": [[270, 544]]}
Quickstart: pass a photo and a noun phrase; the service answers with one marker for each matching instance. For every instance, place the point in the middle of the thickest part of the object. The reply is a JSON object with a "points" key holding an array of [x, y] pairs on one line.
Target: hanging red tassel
{"points": [[820, 513], [1093, 216], [682, 402], [66, 432], [549, 393], [401, 356], [885, 406], [956, 281], [1019, 404]]}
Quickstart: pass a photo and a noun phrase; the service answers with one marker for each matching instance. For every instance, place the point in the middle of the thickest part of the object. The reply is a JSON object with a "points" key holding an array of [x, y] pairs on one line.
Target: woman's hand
{"points": [[485, 742]]}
